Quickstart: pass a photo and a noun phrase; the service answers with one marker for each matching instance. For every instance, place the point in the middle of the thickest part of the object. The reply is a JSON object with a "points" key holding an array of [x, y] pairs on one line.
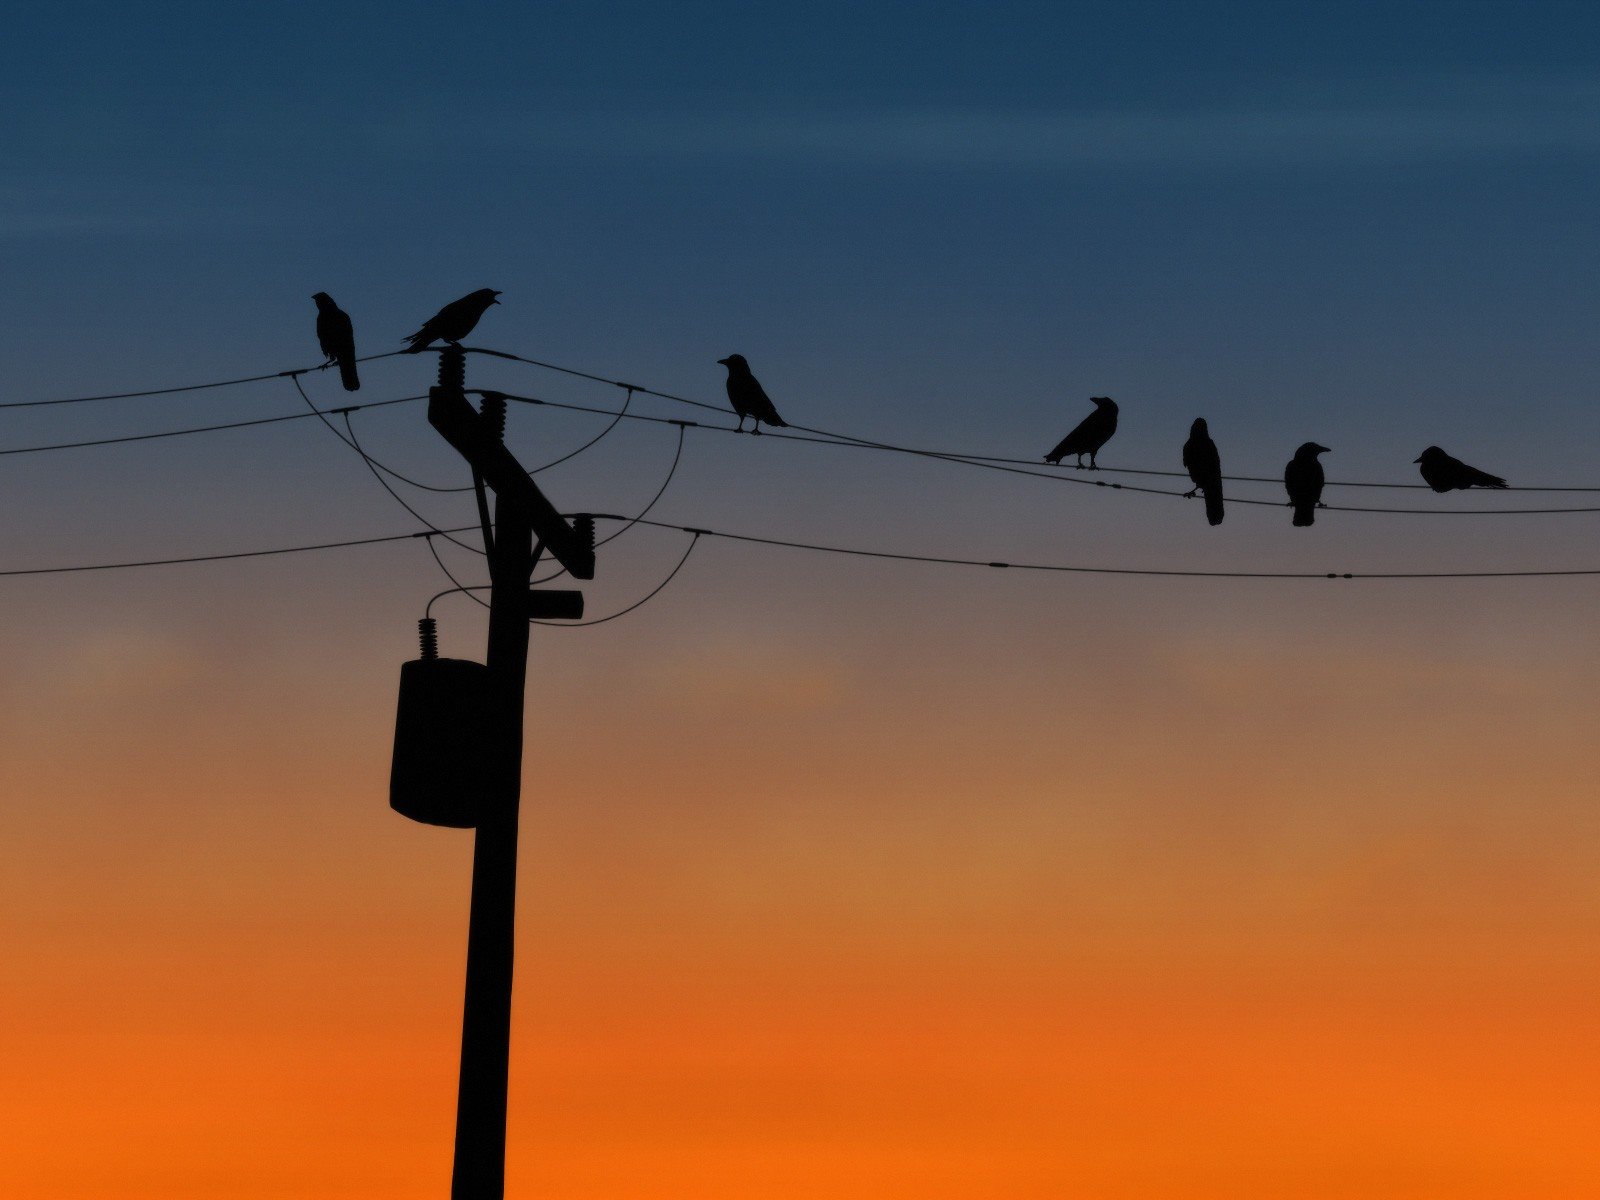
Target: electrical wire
{"points": [[354, 444], [448, 574], [661, 491], [592, 442], [823, 548], [637, 604], [208, 558], [191, 387], [847, 441], [986, 458], [1078, 570], [171, 433]]}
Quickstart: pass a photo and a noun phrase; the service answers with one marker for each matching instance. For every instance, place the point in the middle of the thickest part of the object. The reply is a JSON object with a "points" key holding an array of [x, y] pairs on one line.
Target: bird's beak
{"points": [[722, 362], [1417, 459], [496, 299]]}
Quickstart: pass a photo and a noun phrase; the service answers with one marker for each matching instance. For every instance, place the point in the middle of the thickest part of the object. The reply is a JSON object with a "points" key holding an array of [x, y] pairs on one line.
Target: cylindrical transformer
{"points": [[442, 752]]}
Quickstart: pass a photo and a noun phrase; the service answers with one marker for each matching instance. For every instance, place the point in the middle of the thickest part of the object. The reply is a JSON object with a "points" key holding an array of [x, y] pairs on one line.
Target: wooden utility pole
{"points": [[525, 523]]}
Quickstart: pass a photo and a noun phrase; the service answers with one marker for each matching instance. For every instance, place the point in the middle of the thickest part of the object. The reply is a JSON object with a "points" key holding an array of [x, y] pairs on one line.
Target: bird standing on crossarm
{"points": [[1093, 432], [1446, 474], [337, 337], [454, 321], [1204, 464], [748, 397], [1304, 479]]}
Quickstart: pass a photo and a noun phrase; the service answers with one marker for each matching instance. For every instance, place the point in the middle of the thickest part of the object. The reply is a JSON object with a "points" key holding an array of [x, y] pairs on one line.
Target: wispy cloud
{"points": [[1506, 124]]}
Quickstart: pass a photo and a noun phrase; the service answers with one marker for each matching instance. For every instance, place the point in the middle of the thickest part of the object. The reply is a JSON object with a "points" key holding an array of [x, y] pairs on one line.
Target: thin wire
{"points": [[986, 458], [660, 492], [398, 499], [170, 433], [824, 438], [637, 604], [1053, 567], [350, 441], [207, 558], [460, 587], [191, 387], [353, 443], [592, 442], [477, 587], [822, 549]]}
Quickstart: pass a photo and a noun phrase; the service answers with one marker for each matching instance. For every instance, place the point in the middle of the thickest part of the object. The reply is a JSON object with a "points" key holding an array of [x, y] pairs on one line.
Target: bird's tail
{"points": [[1305, 514], [348, 376], [775, 419], [1214, 504], [419, 342]]}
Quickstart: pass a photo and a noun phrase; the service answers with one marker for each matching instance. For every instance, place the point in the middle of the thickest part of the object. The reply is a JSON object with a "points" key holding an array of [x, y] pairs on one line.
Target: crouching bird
{"points": [[337, 337], [1303, 479], [454, 321], [1204, 465], [1093, 432], [1446, 474], [748, 397]]}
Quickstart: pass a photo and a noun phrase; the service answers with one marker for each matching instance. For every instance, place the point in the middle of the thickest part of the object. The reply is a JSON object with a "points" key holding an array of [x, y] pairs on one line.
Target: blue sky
{"points": [[1365, 224]]}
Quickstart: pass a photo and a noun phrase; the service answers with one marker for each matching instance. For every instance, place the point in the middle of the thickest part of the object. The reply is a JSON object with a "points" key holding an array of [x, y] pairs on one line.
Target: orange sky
{"points": [[1198, 912]]}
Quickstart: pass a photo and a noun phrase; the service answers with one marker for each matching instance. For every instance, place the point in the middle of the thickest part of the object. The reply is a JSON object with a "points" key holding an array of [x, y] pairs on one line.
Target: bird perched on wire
{"points": [[1303, 479], [454, 321], [337, 337], [1093, 432], [1446, 474], [748, 397], [1204, 465]]}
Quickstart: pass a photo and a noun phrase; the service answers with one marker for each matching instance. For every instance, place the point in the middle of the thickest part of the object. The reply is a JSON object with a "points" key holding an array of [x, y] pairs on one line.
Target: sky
{"points": [[839, 876]]}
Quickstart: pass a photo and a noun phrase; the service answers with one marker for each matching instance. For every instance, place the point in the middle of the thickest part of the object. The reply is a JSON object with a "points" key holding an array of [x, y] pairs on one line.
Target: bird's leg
{"points": [[741, 424], [1191, 493], [1093, 465]]}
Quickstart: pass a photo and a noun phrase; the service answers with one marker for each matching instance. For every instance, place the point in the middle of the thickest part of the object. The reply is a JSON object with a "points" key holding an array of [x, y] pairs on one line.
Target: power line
{"points": [[660, 492], [847, 441], [171, 433], [1079, 570], [999, 459], [352, 442], [639, 603], [831, 437], [823, 548], [189, 387], [223, 557]]}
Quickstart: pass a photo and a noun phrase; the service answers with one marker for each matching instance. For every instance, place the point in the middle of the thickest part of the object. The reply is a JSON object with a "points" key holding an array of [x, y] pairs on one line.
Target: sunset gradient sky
{"points": [[840, 878]]}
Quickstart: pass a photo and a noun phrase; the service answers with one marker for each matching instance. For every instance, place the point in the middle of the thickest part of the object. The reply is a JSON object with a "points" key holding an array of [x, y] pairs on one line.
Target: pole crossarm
{"points": [[462, 426]]}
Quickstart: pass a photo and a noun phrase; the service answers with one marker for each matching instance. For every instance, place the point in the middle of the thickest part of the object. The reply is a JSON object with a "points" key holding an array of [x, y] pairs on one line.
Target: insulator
{"points": [[428, 631], [453, 368], [493, 408]]}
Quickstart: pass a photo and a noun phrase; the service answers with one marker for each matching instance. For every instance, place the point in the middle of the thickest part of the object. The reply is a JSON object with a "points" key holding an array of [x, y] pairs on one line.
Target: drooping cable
{"points": [[637, 604], [349, 439]]}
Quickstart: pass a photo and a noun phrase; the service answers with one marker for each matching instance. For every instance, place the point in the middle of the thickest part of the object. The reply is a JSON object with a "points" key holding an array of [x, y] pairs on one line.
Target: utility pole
{"points": [[525, 524]]}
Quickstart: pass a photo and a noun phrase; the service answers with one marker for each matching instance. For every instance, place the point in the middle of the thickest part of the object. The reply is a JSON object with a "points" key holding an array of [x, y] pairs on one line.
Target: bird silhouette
{"points": [[1093, 432], [337, 337], [1204, 465], [1303, 479], [747, 396], [454, 321], [1446, 474]]}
